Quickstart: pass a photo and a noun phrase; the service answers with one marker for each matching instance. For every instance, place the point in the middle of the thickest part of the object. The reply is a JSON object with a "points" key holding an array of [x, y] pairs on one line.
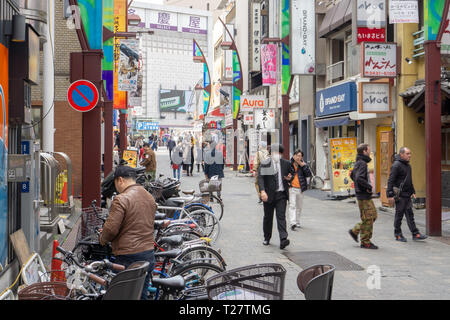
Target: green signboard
{"points": [[432, 17], [285, 63], [236, 92]]}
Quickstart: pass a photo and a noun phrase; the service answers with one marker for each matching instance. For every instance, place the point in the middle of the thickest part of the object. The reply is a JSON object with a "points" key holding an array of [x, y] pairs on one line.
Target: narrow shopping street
{"points": [[412, 270]]}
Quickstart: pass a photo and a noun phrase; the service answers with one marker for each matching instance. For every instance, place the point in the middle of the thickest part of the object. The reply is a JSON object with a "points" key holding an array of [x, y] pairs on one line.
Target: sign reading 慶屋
{"points": [[379, 60], [192, 24], [369, 20], [337, 99], [374, 97], [250, 102], [302, 43], [403, 11], [162, 20]]}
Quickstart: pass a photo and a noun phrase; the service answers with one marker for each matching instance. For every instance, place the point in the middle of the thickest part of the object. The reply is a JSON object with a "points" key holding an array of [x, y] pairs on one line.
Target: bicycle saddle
{"points": [[174, 240], [176, 282], [168, 254], [189, 192]]}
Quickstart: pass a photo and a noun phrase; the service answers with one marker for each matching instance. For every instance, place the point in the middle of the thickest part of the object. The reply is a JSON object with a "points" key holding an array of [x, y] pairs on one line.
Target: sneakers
{"points": [[419, 237], [369, 246], [354, 236], [400, 238], [284, 243], [266, 242]]}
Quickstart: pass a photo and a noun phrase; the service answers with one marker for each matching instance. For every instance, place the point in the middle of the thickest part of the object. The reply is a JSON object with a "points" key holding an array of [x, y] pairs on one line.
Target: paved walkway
{"points": [[412, 270]]}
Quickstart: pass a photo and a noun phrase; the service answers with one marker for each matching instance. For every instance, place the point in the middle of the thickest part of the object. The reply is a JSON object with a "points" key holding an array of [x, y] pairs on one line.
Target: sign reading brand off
{"points": [[82, 95], [248, 103]]}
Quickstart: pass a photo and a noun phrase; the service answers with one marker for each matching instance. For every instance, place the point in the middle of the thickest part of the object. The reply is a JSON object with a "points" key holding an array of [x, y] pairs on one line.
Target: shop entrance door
{"points": [[385, 150]]}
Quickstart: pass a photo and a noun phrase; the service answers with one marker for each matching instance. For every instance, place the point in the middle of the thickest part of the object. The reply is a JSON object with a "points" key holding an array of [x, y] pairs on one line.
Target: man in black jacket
{"points": [[363, 191], [401, 178], [273, 181]]}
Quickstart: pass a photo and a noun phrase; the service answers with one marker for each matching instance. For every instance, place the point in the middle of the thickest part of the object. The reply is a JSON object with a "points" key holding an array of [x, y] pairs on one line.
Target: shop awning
{"points": [[331, 122], [342, 15], [414, 96], [335, 18]]}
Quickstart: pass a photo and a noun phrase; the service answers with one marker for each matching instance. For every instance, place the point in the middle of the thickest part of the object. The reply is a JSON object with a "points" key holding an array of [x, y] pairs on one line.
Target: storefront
{"points": [[333, 107]]}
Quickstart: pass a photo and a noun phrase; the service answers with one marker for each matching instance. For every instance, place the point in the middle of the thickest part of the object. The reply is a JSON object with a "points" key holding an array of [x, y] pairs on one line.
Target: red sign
{"points": [[371, 34], [82, 95], [213, 125]]}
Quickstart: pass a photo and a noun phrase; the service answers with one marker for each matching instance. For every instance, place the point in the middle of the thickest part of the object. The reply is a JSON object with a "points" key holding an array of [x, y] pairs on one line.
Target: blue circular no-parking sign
{"points": [[82, 95]]}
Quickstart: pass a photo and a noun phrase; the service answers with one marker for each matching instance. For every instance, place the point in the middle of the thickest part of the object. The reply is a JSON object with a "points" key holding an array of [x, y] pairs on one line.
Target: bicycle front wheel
{"points": [[197, 254], [207, 222], [196, 274]]}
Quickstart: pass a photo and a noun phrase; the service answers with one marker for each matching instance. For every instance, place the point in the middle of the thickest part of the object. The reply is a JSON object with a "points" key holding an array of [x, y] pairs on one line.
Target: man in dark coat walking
{"points": [[400, 179], [273, 182], [363, 191]]}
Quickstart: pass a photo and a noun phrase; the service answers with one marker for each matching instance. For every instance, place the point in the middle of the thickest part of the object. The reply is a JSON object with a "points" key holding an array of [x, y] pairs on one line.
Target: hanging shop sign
{"points": [[251, 102], [369, 20], [264, 119], [119, 25], [269, 64], [228, 120], [128, 65], [255, 37], [302, 42], [285, 49], [375, 97], [432, 16], [248, 119], [403, 11], [82, 95], [342, 155], [338, 99], [379, 60]]}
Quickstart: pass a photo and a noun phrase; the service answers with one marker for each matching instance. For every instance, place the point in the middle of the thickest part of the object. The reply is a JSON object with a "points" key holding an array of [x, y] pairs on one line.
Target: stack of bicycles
{"points": [[185, 259]]}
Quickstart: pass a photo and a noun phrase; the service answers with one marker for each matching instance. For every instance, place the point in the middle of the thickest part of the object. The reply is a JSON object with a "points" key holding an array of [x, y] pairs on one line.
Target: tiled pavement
{"points": [[412, 270]]}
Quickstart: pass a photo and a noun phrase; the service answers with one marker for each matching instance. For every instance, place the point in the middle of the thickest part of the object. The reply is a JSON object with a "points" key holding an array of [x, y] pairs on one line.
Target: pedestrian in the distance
{"points": [[149, 161], [214, 162], [400, 190], [300, 171], [273, 181], [170, 145], [363, 191]]}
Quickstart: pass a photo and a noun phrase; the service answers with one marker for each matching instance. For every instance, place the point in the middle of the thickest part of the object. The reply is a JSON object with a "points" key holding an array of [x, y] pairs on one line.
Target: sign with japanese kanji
{"points": [[369, 20], [255, 38], [375, 97], [402, 11], [264, 119], [379, 60]]}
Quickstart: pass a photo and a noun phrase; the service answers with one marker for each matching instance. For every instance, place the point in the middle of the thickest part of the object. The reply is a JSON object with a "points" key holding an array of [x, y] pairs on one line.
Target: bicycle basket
{"points": [[204, 185], [254, 282], [215, 185], [90, 221], [45, 291]]}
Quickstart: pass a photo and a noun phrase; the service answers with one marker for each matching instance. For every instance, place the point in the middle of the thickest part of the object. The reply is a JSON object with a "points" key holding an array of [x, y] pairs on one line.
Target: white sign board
{"points": [[162, 20], [302, 42], [264, 119], [250, 102], [375, 97], [248, 119], [371, 13], [193, 24], [445, 40], [255, 38], [380, 60], [403, 11]]}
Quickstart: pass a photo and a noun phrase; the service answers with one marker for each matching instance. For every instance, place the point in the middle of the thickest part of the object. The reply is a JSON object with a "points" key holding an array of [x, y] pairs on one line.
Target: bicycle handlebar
{"points": [[97, 279], [113, 266]]}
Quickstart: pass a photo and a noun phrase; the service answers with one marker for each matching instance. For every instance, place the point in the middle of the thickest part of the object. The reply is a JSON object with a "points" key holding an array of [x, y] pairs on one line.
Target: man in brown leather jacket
{"points": [[149, 161], [130, 224]]}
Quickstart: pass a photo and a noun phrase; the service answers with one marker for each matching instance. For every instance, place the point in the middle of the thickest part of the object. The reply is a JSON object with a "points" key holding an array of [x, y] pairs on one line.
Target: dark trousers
{"points": [[403, 207], [127, 259], [279, 206]]}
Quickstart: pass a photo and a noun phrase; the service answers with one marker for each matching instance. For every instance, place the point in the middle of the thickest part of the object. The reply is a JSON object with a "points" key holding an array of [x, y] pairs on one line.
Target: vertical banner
{"points": [[255, 64], [303, 37], [206, 83], [120, 21], [433, 10], [108, 49], [135, 96], [91, 12], [236, 92], [128, 65], [269, 64], [4, 81], [285, 59], [342, 159]]}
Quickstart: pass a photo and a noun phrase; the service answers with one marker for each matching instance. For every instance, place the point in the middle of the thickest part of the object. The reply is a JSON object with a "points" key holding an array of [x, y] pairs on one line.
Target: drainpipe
{"points": [[48, 130]]}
